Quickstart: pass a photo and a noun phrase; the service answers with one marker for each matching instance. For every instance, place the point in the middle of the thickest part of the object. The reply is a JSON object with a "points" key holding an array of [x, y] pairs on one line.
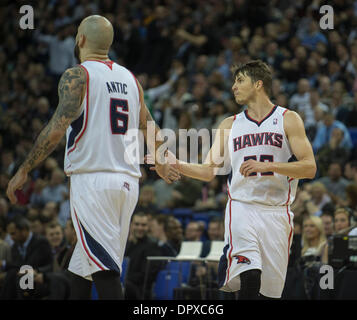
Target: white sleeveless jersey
{"points": [[261, 141], [98, 140]]}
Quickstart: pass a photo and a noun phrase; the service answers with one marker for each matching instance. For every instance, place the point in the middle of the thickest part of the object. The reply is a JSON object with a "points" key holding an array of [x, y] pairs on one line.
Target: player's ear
{"points": [[82, 40], [259, 84]]}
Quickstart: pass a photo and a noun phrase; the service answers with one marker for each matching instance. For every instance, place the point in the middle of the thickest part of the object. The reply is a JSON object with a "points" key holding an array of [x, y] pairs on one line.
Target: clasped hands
{"points": [[168, 170]]}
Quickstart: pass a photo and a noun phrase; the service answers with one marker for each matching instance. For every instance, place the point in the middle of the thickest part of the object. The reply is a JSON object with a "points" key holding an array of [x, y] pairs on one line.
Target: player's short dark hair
{"points": [[256, 70]]}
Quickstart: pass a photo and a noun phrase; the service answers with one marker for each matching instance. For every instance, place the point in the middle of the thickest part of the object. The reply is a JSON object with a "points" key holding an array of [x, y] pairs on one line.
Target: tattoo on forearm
{"points": [[71, 89]]}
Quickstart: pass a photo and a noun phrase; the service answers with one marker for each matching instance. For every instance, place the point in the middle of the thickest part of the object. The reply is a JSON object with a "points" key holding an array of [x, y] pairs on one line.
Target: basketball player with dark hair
{"points": [[261, 144], [99, 102]]}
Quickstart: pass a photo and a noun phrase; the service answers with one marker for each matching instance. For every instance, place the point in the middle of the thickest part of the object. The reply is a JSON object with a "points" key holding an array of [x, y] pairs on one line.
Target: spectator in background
{"points": [[206, 272], [273, 56], [343, 224], [60, 44], [157, 229], [193, 231], [28, 249], [138, 248], [324, 88], [316, 198], [55, 237], [313, 113], [313, 36], [334, 182], [146, 202], [337, 106], [332, 152], [159, 47], [63, 257], [324, 132], [313, 237], [57, 190], [174, 235], [36, 225], [303, 281], [57, 280], [215, 229], [300, 101], [328, 223]]}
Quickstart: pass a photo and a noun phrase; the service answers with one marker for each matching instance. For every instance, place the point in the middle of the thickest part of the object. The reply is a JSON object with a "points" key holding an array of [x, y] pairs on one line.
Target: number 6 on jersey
{"points": [[118, 119]]}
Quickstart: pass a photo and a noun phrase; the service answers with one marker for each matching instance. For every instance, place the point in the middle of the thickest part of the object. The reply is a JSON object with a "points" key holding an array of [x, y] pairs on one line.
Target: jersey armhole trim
{"points": [[86, 114], [137, 85]]}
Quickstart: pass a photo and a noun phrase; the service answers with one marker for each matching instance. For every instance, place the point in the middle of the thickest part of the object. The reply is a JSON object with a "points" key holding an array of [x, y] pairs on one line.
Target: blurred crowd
{"points": [[182, 52]]}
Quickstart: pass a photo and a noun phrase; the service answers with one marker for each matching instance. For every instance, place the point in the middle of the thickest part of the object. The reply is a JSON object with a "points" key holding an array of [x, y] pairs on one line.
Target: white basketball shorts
{"points": [[256, 237], [101, 208]]}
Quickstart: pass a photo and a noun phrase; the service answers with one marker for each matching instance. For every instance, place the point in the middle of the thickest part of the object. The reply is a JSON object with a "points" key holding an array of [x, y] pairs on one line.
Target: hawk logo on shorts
{"points": [[127, 185], [241, 259]]}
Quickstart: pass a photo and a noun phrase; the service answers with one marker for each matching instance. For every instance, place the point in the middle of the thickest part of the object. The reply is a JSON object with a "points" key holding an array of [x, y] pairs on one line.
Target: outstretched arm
{"points": [[71, 90], [300, 146], [215, 157]]}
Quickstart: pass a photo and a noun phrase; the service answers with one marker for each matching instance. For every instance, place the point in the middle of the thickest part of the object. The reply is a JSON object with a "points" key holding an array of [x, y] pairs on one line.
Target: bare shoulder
{"points": [[293, 124], [71, 91], [75, 75], [292, 118], [227, 123]]}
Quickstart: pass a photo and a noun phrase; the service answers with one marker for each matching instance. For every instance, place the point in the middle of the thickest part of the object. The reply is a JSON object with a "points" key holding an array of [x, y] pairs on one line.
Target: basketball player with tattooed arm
{"points": [[99, 102], [268, 151]]}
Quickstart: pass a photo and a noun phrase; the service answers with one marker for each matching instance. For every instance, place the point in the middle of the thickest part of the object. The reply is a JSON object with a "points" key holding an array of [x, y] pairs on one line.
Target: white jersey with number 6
{"points": [[260, 141], [99, 140]]}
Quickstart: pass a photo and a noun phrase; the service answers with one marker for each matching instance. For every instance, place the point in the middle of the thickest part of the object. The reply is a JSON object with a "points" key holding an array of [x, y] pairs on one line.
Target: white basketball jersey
{"points": [[260, 141], [98, 140]]}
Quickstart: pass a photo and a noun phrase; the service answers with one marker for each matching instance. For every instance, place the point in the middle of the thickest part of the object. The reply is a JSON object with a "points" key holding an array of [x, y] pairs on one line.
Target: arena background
{"points": [[182, 51]]}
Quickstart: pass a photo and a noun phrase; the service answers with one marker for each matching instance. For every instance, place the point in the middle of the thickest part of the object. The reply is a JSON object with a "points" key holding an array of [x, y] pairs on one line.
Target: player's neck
{"points": [[94, 56], [260, 107]]}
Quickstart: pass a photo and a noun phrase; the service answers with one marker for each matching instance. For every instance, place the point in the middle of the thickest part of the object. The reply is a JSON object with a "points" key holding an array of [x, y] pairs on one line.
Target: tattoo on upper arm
{"points": [[70, 91]]}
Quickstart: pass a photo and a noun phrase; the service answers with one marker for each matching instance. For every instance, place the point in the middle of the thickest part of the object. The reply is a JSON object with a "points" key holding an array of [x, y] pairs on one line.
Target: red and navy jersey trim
{"points": [[258, 123], [108, 63], [76, 126], [99, 252], [79, 128], [95, 250]]}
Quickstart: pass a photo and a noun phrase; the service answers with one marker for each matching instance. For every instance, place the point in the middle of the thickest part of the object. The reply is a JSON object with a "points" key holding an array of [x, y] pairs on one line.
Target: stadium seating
{"points": [[166, 282], [190, 250], [215, 252]]}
